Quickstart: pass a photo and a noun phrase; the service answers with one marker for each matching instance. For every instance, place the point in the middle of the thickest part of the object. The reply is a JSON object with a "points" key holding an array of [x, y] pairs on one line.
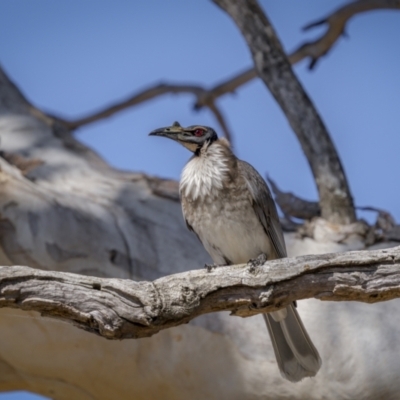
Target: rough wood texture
{"points": [[274, 69], [120, 309]]}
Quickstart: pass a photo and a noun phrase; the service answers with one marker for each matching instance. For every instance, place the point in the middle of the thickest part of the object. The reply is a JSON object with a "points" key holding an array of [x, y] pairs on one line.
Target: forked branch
{"points": [[336, 23]]}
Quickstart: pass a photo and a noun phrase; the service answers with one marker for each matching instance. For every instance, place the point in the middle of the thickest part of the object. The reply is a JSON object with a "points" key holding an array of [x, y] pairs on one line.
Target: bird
{"points": [[229, 206]]}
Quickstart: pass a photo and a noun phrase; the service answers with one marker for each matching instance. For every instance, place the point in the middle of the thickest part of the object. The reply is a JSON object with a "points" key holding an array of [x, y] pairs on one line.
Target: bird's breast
{"points": [[226, 223], [204, 176]]}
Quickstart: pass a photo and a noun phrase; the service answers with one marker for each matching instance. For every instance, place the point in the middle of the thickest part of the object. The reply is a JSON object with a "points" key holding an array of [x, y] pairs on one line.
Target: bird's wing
{"points": [[264, 206], [183, 204]]}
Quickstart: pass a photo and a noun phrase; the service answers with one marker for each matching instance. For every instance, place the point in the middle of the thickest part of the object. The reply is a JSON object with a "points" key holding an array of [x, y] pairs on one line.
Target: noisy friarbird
{"points": [[229, 206]]}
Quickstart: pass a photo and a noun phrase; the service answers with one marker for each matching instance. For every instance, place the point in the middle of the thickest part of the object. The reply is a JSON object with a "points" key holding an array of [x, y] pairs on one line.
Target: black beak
{"points": [[158, 132], [169, 131]]}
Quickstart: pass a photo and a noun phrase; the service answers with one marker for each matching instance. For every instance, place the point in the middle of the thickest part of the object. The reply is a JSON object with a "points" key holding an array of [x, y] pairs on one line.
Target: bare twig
{"points": [[385, 228], [336, 23], [384, 221], [133, 100], [118, 309], [225, 87], [221, 120], [148, 94]]}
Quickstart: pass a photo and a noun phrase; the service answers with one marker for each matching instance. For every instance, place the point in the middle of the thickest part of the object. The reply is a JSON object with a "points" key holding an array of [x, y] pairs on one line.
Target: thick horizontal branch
{"points": [[118, 309]]}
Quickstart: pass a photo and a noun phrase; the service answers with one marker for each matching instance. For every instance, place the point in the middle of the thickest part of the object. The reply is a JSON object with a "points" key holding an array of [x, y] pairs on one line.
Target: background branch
{"points": [[292, 205], [118, 309], [336, 23], [335, 198], [149, 94]]}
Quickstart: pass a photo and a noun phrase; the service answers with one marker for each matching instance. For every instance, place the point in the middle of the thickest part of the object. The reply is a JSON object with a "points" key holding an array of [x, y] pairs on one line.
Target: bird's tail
{"points": [[296, 355]]}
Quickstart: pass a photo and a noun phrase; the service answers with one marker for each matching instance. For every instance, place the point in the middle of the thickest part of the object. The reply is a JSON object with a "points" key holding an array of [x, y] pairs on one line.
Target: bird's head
{"points": [[193, 137]]}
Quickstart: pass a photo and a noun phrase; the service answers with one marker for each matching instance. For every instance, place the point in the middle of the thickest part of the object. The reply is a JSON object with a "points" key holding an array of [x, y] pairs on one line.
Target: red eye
{"points": [[199, 132]]}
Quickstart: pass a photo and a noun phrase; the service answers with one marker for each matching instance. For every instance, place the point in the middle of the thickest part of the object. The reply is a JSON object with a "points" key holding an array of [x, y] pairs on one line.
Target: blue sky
{"points": [[20, 396], [73, 57]]}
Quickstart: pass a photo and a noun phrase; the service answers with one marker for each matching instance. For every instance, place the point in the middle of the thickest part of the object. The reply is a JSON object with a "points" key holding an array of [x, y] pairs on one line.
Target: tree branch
{"points": [[274, 69], [118, 309], [292, 205], [336, 23], [385, 228], [203, 100], [206, 97]]}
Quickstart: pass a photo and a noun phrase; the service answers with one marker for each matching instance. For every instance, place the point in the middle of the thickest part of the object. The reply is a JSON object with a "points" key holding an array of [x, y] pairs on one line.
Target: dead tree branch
{"points": [[151, 93], [118, 309], [292, 205], [274, 69], [386, 228], [336, 23]]}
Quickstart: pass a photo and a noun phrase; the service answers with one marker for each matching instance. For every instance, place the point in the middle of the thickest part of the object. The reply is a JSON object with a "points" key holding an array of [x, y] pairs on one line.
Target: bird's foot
{"points": [[210, 267], [257, 262]]}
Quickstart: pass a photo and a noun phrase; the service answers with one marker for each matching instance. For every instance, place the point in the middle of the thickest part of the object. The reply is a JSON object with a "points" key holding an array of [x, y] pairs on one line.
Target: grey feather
{"points": [[264, 206], [296, 355]]}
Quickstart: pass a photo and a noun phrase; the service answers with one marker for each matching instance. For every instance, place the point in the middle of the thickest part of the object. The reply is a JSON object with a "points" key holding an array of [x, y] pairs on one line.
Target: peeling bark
{"points": [[120, 309]]}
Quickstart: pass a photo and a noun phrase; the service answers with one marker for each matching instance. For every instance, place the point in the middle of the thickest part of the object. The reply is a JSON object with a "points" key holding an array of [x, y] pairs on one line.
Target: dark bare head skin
{"points": [[192, 137]]}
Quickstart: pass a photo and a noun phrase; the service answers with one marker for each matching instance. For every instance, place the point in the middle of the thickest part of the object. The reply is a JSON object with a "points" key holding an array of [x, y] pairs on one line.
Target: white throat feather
{"points": [[205, 174]]}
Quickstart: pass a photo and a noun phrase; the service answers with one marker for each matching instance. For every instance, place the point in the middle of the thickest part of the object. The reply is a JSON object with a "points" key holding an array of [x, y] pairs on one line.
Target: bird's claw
{"points": [[257, 262], [210, 267]]}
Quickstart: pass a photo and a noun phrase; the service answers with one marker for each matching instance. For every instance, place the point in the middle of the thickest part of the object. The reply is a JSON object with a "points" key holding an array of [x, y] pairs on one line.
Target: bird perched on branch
{"points": [[228, 205]]}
